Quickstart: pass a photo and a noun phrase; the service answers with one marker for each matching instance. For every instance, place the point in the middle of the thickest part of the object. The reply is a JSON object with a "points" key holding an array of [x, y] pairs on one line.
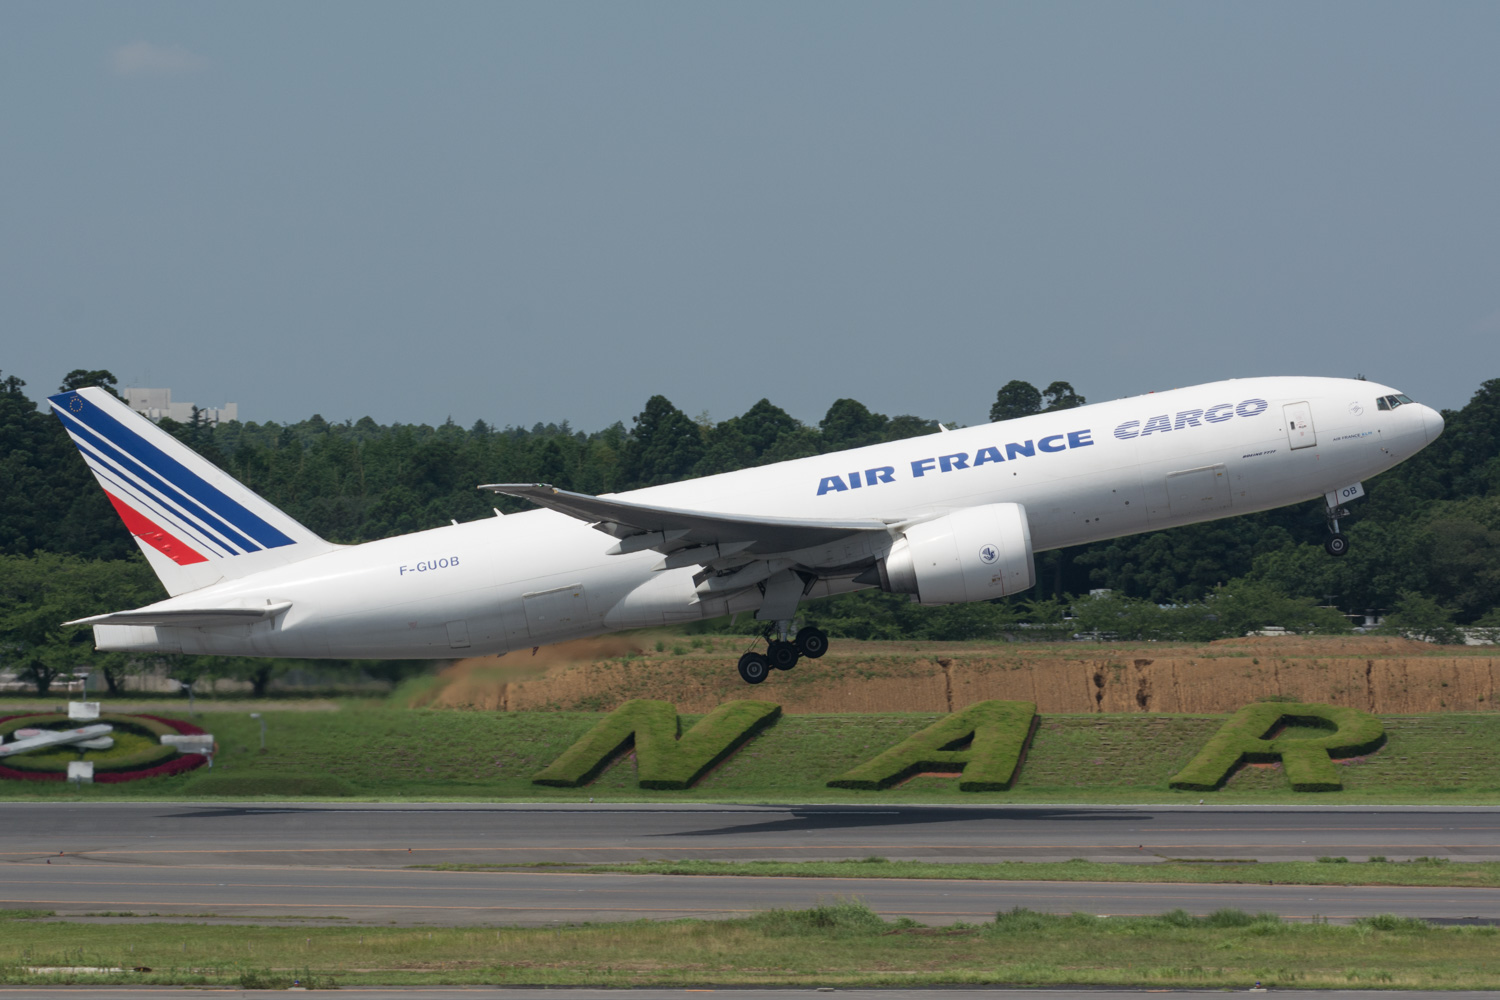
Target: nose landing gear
{"points": [[781, 652], [1337, 543]]}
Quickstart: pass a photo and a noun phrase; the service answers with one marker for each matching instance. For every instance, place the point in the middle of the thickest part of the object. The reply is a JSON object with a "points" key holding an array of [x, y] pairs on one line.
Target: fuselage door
{"points": [[1299, 425], [1194, 492], [551, 612]]}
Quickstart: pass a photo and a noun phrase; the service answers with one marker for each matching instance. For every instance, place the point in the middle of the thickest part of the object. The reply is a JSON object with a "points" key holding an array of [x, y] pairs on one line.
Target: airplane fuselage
{"points": [[1083, 475]]}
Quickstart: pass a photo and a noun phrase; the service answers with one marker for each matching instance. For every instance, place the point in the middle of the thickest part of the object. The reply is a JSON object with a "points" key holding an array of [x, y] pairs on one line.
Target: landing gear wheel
{"points": [[812, 642], [1336, 545], [782, 654], [754, 668]]}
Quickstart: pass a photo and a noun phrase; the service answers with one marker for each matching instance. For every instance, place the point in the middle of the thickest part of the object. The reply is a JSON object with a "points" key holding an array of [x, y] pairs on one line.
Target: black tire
{"points": [[1336, 545], [812, 642], [754, 668], [783, 655]]}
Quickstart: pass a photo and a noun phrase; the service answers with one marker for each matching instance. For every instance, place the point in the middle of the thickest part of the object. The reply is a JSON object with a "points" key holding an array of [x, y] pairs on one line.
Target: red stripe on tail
{"points": [[152, 534]]}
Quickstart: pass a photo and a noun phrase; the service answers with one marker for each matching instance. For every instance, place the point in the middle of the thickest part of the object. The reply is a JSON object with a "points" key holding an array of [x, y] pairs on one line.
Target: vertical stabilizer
{"points": [[195, 523]]}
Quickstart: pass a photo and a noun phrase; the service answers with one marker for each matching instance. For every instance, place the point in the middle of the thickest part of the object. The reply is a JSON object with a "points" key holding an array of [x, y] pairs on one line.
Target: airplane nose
{"points": [[1432, 423]]}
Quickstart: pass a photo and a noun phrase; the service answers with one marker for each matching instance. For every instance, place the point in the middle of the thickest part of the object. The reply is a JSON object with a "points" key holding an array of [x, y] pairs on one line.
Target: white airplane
{"points": [[947, 518], [94, 737]]}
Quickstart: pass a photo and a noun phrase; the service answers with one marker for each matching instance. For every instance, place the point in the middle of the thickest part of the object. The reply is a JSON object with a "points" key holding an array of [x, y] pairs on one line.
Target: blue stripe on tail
{"points": [[147, 459], [143, 479]]}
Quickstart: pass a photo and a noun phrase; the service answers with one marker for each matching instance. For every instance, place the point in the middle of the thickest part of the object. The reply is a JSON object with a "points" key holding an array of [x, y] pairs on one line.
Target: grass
{"points": [[667, 757], [1305, 757], [392, 753], [838, 944], [985, 741]]}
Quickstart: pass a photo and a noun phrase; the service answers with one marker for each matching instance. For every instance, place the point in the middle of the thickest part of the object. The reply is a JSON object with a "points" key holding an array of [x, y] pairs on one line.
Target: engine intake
{"points": [[974, 554]]}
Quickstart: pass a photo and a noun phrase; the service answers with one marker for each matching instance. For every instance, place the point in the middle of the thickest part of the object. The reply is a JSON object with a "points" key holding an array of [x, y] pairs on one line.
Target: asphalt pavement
{"points": [[363, 834], [490, 993], [351, 861], [406, 896]]}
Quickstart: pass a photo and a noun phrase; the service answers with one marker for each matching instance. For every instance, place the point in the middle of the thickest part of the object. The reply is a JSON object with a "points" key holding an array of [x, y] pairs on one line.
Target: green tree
{"points": [[1418, 616], [39, 593], [1061, 396], [51, 502], [851, 424], [115, 668], [258, 671], [80, 378], [1116, 616], [1460, 552], [803, 442], [908, 426], [764, 424], [664, 445], [1016, 399], [1243, 606], [1181, 564]]}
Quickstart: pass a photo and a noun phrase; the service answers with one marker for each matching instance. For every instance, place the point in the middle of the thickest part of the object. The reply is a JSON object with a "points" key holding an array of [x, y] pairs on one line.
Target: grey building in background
{"points": [[154, 404]]}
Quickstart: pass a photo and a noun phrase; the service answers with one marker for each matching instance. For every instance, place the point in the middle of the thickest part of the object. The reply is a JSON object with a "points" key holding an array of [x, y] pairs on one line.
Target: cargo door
{"points": [[1299, 425], [550, 612], [1198, 491]]}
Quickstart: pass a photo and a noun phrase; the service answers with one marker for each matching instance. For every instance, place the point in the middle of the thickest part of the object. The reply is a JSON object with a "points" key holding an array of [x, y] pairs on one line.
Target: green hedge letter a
{"points": [[1246, 738], [665, 756], [996, 732]]}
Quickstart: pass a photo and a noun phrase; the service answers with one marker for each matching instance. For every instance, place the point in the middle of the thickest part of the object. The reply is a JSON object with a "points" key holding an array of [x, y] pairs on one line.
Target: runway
{"points": [[350, 862], [389, 835], [380, 896], [491, 993]]}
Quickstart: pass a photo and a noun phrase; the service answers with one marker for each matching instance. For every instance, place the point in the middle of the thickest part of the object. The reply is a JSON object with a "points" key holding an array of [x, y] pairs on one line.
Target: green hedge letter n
{"points": [[996, 733], [1246, 738], [665, 756]]}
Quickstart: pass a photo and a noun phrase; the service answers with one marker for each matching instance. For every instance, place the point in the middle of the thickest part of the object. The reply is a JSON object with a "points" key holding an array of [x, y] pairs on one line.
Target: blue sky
{"points": [[537, 212]]}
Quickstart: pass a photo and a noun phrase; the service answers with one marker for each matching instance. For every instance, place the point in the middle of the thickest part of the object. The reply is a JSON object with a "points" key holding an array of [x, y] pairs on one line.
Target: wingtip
{"points": [[519, 489]]}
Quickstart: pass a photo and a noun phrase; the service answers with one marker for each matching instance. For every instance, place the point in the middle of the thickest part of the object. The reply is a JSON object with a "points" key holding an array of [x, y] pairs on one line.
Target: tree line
{"points": [[1425, 542]]}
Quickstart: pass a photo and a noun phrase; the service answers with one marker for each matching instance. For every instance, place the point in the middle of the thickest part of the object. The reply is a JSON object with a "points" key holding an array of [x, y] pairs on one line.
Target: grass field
{"points": [[839, 944], [441, 754], [384, 753]]}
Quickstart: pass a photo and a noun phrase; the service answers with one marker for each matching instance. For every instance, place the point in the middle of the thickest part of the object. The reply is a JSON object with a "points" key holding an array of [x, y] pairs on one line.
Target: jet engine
{"points": [[973, 554]]}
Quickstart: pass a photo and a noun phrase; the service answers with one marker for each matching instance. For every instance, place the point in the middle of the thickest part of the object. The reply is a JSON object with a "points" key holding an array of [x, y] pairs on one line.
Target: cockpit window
{"points": [[1402, 397], [1383, 403]]}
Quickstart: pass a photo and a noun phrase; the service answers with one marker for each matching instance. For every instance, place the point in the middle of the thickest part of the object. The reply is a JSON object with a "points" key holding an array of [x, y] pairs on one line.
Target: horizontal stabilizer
{"points": [[683, 528], [188, 617]]}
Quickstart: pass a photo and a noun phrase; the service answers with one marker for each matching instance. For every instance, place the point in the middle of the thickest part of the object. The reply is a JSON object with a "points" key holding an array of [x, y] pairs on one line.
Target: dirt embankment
{"points": [[1381, 675]]}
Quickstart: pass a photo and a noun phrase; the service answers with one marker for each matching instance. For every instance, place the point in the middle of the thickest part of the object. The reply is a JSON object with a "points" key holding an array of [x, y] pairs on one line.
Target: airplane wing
{"points": [[188, 617], [670, 529]]}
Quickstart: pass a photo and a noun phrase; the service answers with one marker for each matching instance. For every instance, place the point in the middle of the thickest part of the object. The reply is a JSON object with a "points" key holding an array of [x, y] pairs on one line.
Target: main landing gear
{"points": [[1337, 543], [782, 653]]}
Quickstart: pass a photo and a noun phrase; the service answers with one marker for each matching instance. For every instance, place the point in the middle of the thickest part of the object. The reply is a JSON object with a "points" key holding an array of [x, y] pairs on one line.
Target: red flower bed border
{"points": [[177, 765]]}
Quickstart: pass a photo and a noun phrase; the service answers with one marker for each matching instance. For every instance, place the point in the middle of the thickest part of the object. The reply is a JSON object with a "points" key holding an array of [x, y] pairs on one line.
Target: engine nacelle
{"points": [[974, 554]]}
